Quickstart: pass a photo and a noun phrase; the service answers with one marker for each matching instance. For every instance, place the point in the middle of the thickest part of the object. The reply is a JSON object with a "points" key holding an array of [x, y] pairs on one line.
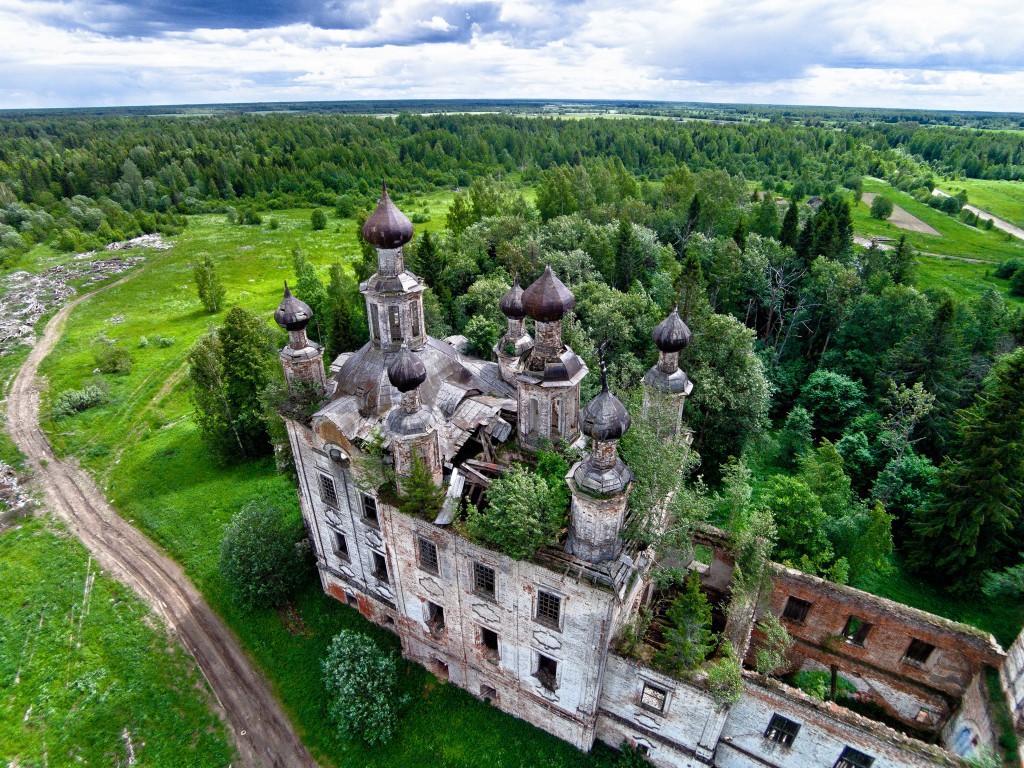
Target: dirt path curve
{"points": [[260, 729], [998, 223]]}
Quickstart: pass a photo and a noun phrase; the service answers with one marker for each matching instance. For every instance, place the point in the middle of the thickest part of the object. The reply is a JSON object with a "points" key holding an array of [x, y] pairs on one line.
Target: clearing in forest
{"points": [[903, 219]]}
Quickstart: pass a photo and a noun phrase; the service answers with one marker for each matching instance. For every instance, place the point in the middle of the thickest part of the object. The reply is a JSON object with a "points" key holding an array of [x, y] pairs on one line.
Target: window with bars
{"points": [[782, 730], [341, 546], [328, 493], [918, 652], [856, 630], [484, 580], [370, 510], [380, 567], [549, 609], [653, 698], [796, 609], [428, 556], [851, 758]]}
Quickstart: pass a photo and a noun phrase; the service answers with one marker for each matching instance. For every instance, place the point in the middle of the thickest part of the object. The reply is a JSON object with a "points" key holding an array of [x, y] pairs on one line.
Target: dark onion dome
{"points": [[387, 226], [511, 304], [292, 314], [547, 299], [671, 334], [605, 417], [407, 371]]}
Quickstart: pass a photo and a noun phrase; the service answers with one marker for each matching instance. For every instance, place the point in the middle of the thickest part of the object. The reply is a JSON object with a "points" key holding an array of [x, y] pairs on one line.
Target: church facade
{"points": [[537, 637]]}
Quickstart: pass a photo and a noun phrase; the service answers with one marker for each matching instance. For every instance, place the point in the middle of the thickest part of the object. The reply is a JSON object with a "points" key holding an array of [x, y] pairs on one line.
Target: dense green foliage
{"points": [[208, 284], [520, 516], [260, 558], [362, 680], [688, 635]]}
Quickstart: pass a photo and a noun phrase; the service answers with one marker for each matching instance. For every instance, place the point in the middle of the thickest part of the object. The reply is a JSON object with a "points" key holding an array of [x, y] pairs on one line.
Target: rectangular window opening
{"points": [[328, 492], [851, 758], [856, 631], [653, 698], [549, 609], [918, 652], [395, 325], [483, 580], [351, 600], [488, 692], [341, 546], [380, 567], [370, 510], [782, 730], [796, 610], [435, 617], [428, 556], [547, 671], [489, 642]]}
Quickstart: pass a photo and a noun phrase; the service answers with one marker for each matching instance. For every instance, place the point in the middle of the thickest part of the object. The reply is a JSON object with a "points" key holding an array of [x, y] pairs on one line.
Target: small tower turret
{"points": [[412, 424], [548, 381], [516, 342], [666, 384], [600, 483], [302, 359]]}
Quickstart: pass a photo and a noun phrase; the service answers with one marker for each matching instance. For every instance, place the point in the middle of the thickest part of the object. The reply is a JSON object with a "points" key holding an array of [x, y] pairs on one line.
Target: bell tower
{"points": [[666, 385], [302, 359]]}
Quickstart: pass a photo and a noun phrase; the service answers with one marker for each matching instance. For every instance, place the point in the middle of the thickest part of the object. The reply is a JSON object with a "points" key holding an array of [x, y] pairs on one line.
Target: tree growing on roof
{"points": [[688, 635]]}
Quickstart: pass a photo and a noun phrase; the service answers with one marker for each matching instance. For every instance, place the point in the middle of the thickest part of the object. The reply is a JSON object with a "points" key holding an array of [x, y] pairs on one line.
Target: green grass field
{"points": [[87, 675], [1004, 199], [146, 450], [961, 259]]}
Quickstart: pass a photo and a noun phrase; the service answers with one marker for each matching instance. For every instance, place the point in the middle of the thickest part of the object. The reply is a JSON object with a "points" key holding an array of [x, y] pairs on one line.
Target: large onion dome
{"points": [[406, 371], [511, 304], [387, 227], [605, 417], [547, 299], [671, 334], [292, 314]]}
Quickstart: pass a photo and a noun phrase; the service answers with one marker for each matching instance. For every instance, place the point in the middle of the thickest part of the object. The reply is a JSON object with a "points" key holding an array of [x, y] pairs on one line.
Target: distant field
{"points": [[87, 676], [1004, 199]]}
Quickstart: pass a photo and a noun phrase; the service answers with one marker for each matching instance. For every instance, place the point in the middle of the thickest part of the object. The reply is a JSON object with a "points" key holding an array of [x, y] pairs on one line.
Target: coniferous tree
{"points": [[626, 267], [968, 528], [688, 635], [420, 496], [790, 231], [765, 219]]}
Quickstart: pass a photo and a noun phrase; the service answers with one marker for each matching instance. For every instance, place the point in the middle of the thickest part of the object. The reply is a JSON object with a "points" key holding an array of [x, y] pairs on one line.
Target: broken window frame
{"points": [[492, 654], [547, 672], [918, 652], [428, 558], [370, 516], [658, 692], [796, 609], [340, 541], [328, 491], [434, 617], [856, 631], [782, 730], [853, 758], [485, 580], [380, 567], [549, 609]]}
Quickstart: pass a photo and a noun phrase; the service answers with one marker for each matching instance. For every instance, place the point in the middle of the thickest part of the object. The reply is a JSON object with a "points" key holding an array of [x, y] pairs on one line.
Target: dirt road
{"points": [[998, 223], [261, 731]]}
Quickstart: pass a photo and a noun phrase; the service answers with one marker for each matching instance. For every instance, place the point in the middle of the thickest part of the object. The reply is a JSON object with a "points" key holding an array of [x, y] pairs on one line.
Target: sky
{"points": [[933, 54]]}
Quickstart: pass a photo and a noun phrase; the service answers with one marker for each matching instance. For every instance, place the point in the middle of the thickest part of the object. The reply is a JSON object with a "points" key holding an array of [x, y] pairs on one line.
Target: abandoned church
{"points": [[541, 637]]}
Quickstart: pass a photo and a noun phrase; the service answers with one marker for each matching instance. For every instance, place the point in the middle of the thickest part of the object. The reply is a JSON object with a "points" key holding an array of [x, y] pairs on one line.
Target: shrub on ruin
{"points": [[770, 653], [74, 401], [725, 676], [111, 357], [519, 517], [362, 681], [261, 555], [688, 635]]}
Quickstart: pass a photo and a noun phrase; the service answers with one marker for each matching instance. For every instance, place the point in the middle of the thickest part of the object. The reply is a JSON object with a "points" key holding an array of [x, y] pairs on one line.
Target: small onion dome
{"points": [[511, 304], [387, 226], [292, 314], [605, 417], [407, 371], [547, 299], [671, 334]]}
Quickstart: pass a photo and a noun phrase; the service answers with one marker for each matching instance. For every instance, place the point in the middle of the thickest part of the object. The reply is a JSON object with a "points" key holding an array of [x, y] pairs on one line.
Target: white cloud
{"points": [[942, 54]]}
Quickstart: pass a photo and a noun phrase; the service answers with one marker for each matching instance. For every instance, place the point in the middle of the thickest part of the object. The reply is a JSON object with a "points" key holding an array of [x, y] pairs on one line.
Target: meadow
{"points": [[87, 675], [1004, 199]]}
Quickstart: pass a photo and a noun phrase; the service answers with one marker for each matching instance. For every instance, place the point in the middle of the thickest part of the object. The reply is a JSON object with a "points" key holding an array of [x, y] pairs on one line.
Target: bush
{"points": [[420, 218], [1006, 270], [318, 219], [74, 401], [725, 677], [362, 680], [1017, 283], [519, 517], [260, 556], [881, 207], [111, 357]]}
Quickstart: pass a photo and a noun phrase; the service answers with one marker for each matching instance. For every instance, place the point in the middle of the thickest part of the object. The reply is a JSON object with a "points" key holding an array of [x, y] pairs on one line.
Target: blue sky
{"points": [[940, 55]]}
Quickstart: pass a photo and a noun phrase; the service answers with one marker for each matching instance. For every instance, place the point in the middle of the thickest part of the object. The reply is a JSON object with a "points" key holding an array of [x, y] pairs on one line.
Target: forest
{"points": [[865, 413]]}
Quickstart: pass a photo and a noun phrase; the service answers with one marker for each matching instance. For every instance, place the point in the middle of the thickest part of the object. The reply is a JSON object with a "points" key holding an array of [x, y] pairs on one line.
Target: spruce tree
{"points": [[790, 231], [420, 496], [968, 528], [688, 635]]}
